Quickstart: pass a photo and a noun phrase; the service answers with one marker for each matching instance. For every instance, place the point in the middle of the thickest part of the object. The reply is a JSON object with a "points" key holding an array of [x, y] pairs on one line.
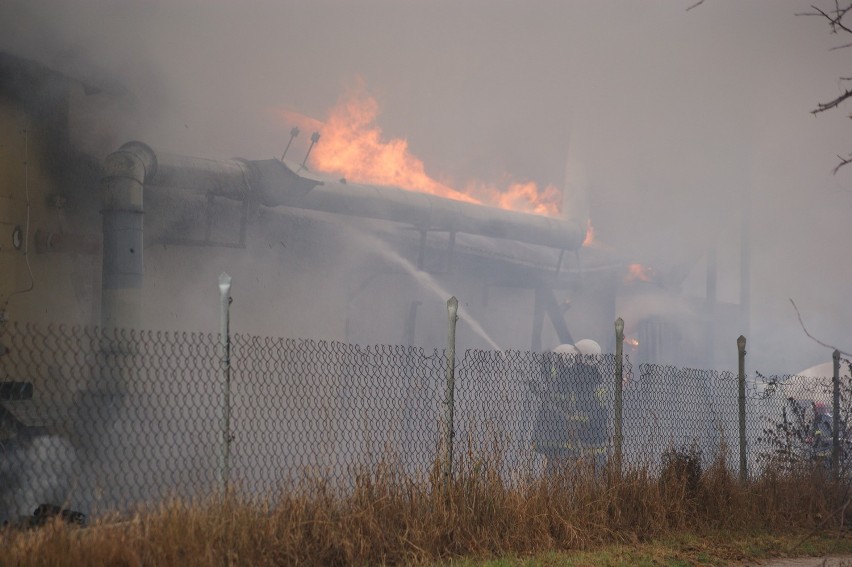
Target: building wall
{"points": [[37, 286]]}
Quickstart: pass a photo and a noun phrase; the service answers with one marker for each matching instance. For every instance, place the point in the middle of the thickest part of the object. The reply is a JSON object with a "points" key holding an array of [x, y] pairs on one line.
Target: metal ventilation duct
{"points": [[273, 183], [280, 185]]}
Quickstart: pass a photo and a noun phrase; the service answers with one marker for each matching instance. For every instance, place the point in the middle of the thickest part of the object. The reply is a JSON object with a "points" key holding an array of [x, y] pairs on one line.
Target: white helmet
{"points": [[566, 349], [588, 346]]}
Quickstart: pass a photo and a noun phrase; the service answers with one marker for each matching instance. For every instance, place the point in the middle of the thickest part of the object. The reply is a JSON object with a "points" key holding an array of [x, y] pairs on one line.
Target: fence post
{"points": [[619, 384], [453, 310], [225, 380], [741, 344], [835, 415]]}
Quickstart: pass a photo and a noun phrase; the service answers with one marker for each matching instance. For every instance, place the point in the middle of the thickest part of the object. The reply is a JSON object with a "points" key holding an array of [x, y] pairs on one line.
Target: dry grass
{"points": [[387, 518]]}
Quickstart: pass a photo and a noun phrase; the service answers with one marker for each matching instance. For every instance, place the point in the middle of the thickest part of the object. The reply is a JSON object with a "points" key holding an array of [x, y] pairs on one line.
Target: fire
{"points": [[525, 197], [638, 272], [352, 146], [590, 234], [632, 342]]}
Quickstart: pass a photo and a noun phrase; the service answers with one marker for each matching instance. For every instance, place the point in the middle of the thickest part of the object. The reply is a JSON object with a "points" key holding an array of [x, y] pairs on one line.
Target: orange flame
{"points": [[590, 234], [638, 272], [352, 146], [632, 342]]}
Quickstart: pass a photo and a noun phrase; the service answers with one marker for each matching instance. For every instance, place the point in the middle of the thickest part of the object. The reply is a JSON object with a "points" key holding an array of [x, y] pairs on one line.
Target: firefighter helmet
{"points": [[566, 349], [588, 346]]}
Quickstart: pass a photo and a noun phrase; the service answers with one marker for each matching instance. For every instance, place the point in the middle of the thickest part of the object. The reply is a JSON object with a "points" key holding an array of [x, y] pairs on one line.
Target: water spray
{"points": [[428, 282]]}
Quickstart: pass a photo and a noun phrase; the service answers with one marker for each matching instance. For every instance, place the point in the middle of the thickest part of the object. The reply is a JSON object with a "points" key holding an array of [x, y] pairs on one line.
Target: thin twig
{"points": [[819, 526], [697, 4], [802, 323], [843, 161], [835, 22], [823, 106], [842, 518]]}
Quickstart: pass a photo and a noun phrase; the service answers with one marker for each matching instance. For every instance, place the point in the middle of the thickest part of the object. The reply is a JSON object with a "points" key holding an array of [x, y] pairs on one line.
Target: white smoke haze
{"points": [[675, 117]]}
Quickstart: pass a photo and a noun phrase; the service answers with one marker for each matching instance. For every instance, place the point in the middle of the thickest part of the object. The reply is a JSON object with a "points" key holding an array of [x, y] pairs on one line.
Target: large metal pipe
{"points": [[273, 183], [229, 178], [420, 210], [125, 173]]}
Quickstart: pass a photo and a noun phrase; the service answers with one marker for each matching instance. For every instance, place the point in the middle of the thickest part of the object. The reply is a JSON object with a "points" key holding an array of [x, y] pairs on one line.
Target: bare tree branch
{"points": [[823, 106], [843, 161], [819, 342], [834, 22], [839, 13]]}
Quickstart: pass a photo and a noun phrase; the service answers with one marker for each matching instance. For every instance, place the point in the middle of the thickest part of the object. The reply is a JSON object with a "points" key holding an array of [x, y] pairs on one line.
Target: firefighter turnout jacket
{"points": [[573, 416]]}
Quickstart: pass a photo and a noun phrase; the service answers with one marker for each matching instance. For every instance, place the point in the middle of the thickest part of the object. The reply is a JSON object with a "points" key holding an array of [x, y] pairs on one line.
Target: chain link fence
{"points": [[101, 421]]}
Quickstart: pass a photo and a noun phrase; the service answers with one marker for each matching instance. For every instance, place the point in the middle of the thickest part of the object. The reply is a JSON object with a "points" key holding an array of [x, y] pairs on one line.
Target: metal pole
{"points": [[293, 133], [314, 139], [741, 344], [710, 306], [225, 379], [453, 310], [835, 415], [619, 385]]}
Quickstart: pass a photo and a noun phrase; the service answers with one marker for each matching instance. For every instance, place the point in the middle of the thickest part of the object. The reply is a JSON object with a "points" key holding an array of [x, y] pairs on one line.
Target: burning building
{"points": [[345, 239], [119, 235], [136, 238], [101, 231]]}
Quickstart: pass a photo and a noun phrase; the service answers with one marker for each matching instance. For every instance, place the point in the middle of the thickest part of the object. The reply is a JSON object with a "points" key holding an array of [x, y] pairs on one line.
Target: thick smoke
{"points": [[678, 118], [35, 471]]}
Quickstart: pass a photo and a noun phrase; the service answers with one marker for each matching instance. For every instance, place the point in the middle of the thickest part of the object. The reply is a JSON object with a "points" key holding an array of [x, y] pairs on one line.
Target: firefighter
{"points": [[571, 424], [821, 434]]}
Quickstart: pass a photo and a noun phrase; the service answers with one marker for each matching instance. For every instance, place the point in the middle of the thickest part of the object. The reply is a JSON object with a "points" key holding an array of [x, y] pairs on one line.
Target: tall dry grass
{"points": [[389, 518]]}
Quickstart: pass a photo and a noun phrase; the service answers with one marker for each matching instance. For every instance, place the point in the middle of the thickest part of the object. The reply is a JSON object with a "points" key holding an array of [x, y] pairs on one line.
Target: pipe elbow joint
{"points": [[144, 156], [133, 160], [125, 172]]}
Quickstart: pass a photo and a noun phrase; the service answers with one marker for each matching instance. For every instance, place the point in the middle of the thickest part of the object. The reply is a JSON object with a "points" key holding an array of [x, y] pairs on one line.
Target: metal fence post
{"points": [[741, 344], [619, 385], [835, 415], [225, 380], [452, 309]]}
